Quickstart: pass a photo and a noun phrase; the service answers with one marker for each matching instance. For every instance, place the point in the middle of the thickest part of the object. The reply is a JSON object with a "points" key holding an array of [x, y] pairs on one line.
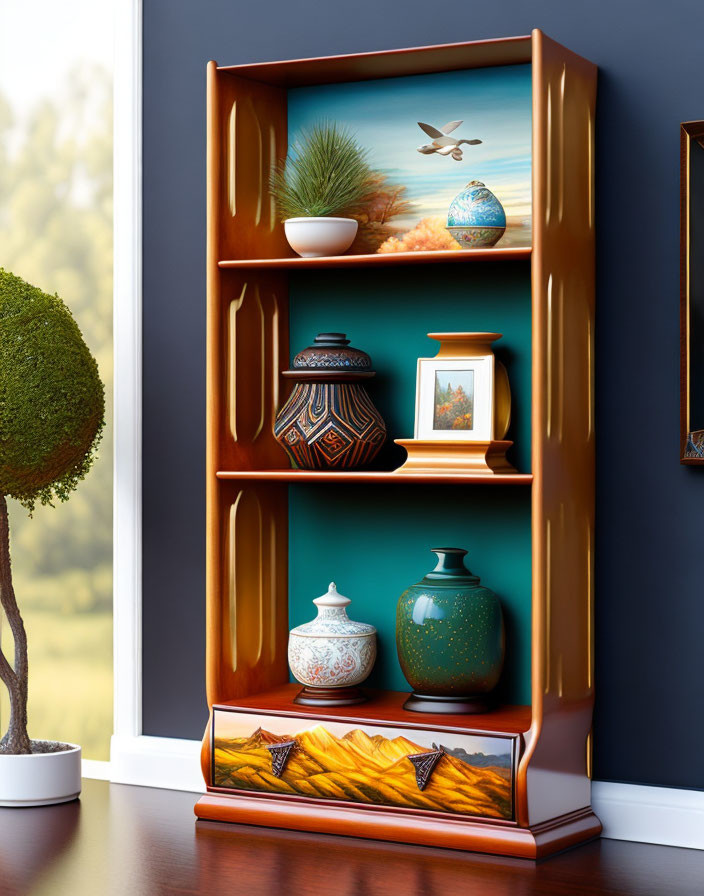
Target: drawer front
{"points": [[463, 774]]}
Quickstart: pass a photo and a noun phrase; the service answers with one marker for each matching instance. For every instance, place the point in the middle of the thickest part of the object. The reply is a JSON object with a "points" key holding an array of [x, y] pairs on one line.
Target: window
{"points": [[56, 161]]}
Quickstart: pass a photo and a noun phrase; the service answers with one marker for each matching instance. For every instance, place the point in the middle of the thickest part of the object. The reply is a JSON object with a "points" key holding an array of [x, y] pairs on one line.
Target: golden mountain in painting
{"points": [[361, 769]]}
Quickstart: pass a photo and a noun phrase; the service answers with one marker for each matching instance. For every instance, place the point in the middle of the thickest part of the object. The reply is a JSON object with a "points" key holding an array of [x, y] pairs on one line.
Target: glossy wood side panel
{"points": [[388, 63], [247, 335], [206, 753], [252, 336], [214, 383], [250, 119], [553, 772], [248, 620], [540, 841]]}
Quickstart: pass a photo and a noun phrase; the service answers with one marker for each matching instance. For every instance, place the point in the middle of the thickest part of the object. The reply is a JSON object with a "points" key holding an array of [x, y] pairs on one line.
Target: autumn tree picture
{"points": [[454, 400]]}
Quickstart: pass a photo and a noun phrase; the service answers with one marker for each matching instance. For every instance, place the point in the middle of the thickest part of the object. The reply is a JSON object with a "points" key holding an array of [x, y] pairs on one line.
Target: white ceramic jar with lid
{"points": [[332, 654]]}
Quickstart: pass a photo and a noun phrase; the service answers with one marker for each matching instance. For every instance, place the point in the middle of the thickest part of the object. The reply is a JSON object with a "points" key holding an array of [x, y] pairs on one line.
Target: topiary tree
{"points": [[52, 414]]}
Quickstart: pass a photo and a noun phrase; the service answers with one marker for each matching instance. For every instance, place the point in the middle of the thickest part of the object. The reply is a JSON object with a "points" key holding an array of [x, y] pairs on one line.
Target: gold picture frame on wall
{"points": [[692, 292]]}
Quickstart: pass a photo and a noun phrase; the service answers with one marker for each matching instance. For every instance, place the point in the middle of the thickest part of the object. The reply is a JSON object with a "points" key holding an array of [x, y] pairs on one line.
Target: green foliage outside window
{"points": [[56, 230]]}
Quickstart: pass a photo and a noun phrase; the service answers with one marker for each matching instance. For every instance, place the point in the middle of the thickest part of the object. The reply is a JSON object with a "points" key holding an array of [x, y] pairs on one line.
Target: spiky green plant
{"points": [[325, 174], [52, 413]]}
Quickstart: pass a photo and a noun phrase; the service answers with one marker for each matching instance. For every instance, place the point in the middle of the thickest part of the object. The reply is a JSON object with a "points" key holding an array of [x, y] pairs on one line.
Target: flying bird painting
{"points": [[414, 185], [443, 144]]}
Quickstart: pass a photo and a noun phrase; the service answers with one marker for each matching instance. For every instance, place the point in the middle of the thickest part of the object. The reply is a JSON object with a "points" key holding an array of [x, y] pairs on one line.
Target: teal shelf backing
{"points": [[388, 313], [375, 541]]}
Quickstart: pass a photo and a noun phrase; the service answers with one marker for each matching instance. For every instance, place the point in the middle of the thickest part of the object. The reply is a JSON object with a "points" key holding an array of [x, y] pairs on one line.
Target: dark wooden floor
{"points": [[132, 841]]}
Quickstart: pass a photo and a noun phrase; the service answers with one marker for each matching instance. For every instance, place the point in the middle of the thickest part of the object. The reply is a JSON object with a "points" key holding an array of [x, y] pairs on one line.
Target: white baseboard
{"points": [[165, 762], [659, 815], [97, 769]]}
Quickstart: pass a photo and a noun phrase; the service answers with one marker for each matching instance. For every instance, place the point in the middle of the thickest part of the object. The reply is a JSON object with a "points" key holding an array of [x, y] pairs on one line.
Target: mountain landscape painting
{"points": [[338, 761]]}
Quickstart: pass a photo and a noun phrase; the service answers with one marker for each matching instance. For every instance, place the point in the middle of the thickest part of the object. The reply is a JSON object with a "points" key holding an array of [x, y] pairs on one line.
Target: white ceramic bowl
{"points": [[315, 237], [40, 779]]}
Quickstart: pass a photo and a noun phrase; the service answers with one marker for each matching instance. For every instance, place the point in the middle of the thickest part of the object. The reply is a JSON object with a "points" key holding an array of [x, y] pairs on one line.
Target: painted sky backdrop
{"points": [[494, 104]]}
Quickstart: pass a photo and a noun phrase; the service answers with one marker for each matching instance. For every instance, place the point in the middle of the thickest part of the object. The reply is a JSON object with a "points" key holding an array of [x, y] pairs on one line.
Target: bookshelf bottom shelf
{"points": [[376, 770]]}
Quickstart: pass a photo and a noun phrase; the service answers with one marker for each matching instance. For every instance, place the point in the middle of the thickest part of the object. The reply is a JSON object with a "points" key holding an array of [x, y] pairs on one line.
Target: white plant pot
{"points": [[315, 237], [40, 779]]}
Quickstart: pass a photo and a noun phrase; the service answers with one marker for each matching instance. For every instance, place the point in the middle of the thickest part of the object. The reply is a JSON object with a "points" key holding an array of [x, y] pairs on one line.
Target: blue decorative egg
{"points": [[476, 218]]}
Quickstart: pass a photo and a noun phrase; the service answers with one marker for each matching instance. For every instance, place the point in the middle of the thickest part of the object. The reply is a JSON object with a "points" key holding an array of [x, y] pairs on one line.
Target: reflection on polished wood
{"points": [[135, 841]]}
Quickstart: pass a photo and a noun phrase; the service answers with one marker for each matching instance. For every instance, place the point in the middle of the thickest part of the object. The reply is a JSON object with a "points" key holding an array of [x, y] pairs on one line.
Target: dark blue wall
{"points": [[649, 724]]}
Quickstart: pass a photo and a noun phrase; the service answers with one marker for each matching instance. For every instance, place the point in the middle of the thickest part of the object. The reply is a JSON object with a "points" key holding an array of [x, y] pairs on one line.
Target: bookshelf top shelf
{"points": [[290, 73], [383, 260]]}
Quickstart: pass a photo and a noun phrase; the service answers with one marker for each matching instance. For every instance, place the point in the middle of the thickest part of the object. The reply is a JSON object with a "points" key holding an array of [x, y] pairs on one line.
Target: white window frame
{"points": [[627, 811], [134, 757]]}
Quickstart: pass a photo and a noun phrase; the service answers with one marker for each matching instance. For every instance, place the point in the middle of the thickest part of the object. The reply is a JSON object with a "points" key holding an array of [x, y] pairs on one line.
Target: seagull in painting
{"points": [[442, 143]]}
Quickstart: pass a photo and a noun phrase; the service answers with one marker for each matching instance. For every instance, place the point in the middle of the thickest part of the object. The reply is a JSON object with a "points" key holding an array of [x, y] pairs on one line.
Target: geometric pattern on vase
{"points": [[330, 425], [425, 765], [279, 756]]}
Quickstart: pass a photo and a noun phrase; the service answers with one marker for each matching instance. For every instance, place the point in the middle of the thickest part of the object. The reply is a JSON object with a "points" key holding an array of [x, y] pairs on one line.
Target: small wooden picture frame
{"points": [[455, 399]]}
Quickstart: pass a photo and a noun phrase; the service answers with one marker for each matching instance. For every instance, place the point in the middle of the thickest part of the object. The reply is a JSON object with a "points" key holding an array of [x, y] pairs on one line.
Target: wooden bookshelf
{"points": [[262, 516]]}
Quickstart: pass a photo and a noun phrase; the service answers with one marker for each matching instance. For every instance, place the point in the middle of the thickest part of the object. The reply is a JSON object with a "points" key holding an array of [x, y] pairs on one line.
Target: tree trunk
{"points": [[16, 740]]}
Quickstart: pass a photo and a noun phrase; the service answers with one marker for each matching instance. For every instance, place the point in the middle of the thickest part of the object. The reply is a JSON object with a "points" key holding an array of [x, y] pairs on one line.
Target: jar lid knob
{"points": [[332, 598]]}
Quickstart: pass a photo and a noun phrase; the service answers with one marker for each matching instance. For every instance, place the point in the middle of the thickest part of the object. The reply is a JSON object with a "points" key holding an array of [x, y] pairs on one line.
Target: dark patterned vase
{"points": [[450, 638], [329, 422]]}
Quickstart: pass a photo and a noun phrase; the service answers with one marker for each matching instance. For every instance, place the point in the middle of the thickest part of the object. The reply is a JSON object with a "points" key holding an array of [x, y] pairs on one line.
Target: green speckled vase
{"points": [[450, 638]]}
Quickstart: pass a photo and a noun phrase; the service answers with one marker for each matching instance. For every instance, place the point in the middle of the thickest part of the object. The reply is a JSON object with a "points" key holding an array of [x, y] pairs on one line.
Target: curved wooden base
{"points": [[404, 827], [446, 456]]}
